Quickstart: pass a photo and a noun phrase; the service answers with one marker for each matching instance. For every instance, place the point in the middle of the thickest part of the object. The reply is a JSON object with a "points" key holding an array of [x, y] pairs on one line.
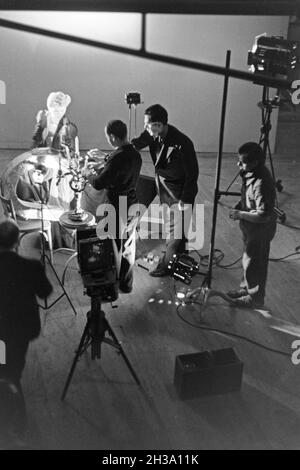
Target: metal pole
{"points": [[129, 123], [143, 33], [218, 175]]}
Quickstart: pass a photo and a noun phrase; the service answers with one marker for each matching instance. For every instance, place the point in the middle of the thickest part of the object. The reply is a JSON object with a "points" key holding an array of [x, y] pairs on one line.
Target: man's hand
{"points": [[235, 214], [88, 171], [96, 154], [182, 206]]}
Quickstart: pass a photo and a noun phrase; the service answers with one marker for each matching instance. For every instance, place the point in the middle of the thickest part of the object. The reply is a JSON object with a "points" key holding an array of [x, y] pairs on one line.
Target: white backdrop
{"points": [[32, 66]]}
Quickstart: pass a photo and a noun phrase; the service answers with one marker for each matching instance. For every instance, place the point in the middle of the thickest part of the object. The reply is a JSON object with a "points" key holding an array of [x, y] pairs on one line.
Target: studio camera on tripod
{"points": [[97, 264]]}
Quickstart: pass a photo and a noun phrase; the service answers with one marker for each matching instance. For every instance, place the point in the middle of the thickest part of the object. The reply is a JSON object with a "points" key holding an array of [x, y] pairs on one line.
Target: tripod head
{"points": [[269, 104]]}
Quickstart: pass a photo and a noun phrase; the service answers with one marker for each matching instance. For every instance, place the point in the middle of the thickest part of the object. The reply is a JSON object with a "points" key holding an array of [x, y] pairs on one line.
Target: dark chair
{"points": [[28, 226]]}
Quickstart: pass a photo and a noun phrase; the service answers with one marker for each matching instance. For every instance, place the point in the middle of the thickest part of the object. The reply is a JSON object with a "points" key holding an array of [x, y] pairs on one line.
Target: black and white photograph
{"points": [[149, 227]]}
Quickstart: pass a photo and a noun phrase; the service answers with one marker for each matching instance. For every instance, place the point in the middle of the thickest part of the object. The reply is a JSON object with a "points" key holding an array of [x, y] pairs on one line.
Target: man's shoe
{"points": [[158, 272], [247, 302], [236, 294]]}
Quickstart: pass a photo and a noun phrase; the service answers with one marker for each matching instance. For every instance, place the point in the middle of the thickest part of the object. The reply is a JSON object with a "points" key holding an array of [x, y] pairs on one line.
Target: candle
{"points": [[76, 145], [67, 152], [86, 160]]}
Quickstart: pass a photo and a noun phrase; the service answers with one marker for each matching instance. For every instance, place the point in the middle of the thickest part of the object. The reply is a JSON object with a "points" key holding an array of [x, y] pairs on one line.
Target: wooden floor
{"points": [[105, 409]]}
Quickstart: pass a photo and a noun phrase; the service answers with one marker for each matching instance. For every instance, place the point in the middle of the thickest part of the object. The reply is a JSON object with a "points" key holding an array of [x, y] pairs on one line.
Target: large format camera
{"points": [[97, 263]]}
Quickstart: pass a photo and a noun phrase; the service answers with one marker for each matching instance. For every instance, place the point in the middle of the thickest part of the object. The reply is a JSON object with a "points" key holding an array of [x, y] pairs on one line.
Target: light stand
{"points": [[131, 107], [93, 336], [45, 258], [267, 106], [132, 99], [205, 290]]}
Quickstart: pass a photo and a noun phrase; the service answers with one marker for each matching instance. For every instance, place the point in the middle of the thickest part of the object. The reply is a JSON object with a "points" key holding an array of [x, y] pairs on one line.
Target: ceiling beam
{"points": [[143, 54], [216, 7]]}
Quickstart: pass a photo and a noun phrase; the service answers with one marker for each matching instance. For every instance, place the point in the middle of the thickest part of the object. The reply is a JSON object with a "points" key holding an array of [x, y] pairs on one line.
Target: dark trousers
{"points": [[257, 239], [16, 350], [125, 243], [126, 249]]}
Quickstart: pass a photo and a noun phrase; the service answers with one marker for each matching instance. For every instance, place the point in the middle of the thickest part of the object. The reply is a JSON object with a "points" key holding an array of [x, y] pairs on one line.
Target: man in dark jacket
{"points": [[255, 211], [21, 280], [176, 175], [119, 177]]}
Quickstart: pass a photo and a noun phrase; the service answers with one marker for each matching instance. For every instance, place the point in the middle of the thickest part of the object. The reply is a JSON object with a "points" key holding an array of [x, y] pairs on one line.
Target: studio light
{"points": [[273, 56]]}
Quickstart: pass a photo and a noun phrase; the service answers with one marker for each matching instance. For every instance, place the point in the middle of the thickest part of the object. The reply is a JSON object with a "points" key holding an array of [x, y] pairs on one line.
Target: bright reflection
{"points": [[123, 29], [180, 295]]}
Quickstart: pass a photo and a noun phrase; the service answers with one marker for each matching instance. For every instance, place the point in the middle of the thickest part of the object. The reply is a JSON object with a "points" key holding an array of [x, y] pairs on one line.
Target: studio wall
{"points": [[32, 66]]}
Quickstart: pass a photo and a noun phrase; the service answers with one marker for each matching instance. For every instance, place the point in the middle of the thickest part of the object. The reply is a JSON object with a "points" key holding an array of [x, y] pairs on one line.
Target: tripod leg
{"points": [[74, 255], [271, 162], [79, 351], [121, 350], [61, 285], [278, 184]]}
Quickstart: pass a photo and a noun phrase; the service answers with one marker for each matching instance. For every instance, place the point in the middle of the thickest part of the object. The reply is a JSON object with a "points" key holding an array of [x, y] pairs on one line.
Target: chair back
{"points": [[8, 207], [16, 177]]}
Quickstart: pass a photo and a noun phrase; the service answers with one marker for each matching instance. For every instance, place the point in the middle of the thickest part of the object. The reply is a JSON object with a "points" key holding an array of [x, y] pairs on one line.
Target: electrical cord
{"points": [[226, 333], [218, 330], [284, 224], [217, 258]]}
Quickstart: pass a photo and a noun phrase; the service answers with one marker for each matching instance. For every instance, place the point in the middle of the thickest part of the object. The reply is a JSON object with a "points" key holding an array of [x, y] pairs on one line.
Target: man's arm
{"points": [[264, 205], [142, 141], [106, 177], [191, 172], [253, 216]]}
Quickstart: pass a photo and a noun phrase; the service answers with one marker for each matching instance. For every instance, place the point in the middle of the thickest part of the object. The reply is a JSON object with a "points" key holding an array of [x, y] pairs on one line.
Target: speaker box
{"points": [[207, 373]]}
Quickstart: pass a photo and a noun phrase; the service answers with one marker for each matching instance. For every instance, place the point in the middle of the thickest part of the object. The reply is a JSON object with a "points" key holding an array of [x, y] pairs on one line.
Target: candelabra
{"points": [[75, 167]]}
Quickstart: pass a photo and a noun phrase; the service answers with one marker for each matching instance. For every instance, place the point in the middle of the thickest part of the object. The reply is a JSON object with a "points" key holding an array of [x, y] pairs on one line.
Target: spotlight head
{"points": [[273, 56], [133, 98]]}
